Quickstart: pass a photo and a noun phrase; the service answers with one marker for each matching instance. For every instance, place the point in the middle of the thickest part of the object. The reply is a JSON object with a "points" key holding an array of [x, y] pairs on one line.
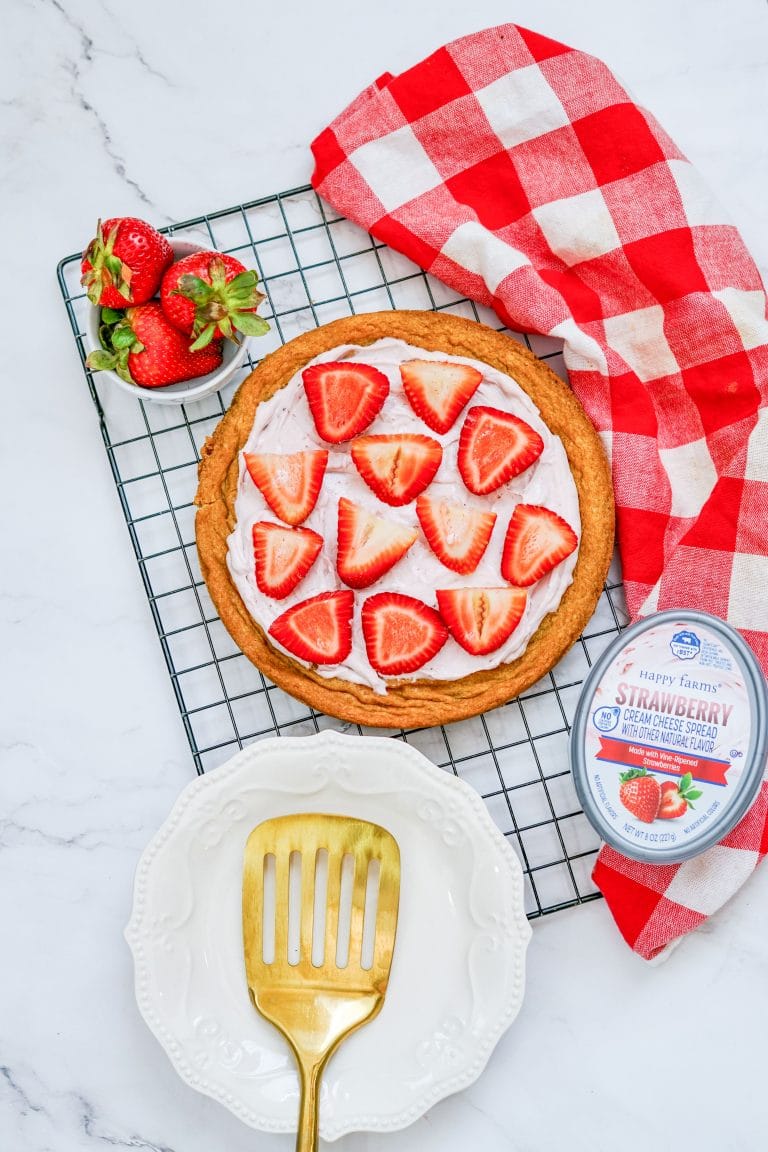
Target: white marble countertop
{"points": [[155, 110]]}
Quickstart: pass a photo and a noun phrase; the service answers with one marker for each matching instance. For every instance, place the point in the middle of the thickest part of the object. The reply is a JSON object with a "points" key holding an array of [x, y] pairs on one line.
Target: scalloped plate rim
{"points": [[217, 779]]}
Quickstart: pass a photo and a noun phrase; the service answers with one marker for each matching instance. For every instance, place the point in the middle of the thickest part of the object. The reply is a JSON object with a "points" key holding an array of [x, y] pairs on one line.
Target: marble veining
{"points": [[75, 68], [168, 111]]}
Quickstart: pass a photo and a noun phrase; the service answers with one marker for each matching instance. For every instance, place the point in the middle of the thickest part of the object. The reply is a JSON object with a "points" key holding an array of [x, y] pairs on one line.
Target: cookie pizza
{"points": [[404, 518]]}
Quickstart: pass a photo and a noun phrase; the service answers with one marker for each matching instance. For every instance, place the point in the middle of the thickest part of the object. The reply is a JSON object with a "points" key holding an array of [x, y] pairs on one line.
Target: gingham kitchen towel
{"points": [[521, 173]]}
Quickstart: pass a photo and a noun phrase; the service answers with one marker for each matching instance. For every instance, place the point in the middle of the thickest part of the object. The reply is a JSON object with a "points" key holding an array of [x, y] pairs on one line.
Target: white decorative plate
{"points": [[458, 969]]}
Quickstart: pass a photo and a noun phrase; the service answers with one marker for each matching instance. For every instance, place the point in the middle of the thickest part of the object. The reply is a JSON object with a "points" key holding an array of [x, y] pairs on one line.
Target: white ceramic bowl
{"points": [[186, 390]]}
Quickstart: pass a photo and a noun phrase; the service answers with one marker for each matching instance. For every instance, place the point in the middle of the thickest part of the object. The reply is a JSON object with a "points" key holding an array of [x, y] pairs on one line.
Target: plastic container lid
{"points": [[668, 745]]}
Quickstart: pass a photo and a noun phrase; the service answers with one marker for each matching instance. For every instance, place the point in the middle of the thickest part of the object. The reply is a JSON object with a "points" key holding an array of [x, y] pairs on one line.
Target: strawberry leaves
{"points": [[106, 269], [226, 305], [689, 794], [118, 341], [632, 774]]}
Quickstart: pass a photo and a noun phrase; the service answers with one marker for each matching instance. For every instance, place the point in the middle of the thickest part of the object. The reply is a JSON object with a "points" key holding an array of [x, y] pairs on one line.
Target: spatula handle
{"points": [[309, 1107]]}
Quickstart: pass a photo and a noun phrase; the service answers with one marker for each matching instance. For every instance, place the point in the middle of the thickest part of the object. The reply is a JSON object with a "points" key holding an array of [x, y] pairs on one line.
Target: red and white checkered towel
{"points": [[520, 172]]}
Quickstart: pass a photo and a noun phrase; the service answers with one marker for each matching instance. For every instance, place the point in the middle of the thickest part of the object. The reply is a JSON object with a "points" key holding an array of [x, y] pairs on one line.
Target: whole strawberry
{"points": [[640, 794], [124, 263], [149, 351], [210, 295]]}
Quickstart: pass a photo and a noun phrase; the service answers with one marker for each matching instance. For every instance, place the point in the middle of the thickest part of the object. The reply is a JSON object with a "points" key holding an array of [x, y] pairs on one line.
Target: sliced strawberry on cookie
{"points": [[397, 468], [344, 398], [290, 484], [283, 556], [437, 392], [457, 535], [537, 541], [401, 633], [481, 619], [368, 545], [494, 446], [318, 630]]}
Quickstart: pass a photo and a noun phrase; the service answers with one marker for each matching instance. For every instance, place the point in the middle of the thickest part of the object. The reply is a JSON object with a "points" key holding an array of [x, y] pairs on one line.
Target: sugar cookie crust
{"points": [[411, 703]]}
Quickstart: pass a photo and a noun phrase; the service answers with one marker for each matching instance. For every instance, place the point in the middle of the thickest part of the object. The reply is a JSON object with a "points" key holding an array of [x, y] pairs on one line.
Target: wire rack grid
{"points": [[315, 267]]}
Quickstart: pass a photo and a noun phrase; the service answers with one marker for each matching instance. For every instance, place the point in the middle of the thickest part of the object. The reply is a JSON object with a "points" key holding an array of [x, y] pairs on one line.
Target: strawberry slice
{"points": [[368, 545], [344, 398], [537, 541], [318, 630], [673, 804], [283, 556], [437, 392], [481, 619], [457, 535], [494, 446], [397, 468], [401, 633], [289, 484], [677, 798]]}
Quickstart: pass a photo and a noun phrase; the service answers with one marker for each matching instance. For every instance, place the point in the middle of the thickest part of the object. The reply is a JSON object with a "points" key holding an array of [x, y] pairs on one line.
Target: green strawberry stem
{"points": [[230, 306], [632, 774], [106, 268], [119, 341], [109, 318], [689, 794], [206, 336], [250, 324]]}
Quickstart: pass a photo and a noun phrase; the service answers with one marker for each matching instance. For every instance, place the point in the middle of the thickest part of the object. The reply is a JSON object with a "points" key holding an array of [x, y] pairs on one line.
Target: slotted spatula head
{"points": [[316, 1004]]}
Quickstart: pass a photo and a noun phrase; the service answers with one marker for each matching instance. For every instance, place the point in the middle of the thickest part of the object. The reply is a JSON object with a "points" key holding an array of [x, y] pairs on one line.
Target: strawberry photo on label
{"points": [[318, 630], [437, 391], [368, 546], [397, 468], [481, 619], [282, 557], [210, 296], [289, 483], [147, 350], [124, 263], [640, 794], [457, 535], [677, 798], [537, 541], [344, 398], [401, 633], [495, 446]]}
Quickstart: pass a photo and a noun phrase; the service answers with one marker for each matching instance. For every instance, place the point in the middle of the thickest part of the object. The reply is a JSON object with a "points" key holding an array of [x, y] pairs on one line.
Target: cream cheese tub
{"points": [[668, 745]]}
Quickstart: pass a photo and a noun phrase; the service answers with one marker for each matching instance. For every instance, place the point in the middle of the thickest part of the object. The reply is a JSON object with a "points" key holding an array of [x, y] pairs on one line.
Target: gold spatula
{"points": [[316, 1004]]}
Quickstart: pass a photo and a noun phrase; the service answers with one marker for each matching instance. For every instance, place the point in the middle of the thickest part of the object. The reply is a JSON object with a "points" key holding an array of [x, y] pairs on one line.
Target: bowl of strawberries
{"points": [[169, 320]]}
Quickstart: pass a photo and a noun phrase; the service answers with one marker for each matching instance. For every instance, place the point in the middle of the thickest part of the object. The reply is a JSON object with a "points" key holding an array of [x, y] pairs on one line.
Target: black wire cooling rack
{"points": [[316, 267]]}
